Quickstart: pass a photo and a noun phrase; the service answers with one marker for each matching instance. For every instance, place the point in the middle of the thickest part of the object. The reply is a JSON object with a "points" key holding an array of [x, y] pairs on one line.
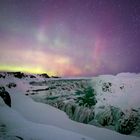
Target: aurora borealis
{"points": [[70, 37]]}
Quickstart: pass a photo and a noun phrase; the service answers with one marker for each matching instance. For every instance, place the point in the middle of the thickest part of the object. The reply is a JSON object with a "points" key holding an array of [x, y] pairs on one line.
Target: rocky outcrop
{"points": [[106, 87], [44, 75], [2, 76], [127, 123], [19, 75], [32, 76], [55, 77], [10, 85], [5, 96]]}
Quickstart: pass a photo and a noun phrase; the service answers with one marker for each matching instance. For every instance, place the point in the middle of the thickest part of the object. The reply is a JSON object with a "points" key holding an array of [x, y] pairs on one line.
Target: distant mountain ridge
{"points": [[23, 75]]}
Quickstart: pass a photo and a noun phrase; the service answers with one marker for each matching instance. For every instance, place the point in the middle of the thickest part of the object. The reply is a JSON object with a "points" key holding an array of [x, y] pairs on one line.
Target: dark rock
{"points": [[2, 76], [127, 123], [44, 75], [121, 87], [106, 87], [10, 85], [17, 74], [38, 90], [20, 138], [55, 77], [32, 76], [5, 96]]}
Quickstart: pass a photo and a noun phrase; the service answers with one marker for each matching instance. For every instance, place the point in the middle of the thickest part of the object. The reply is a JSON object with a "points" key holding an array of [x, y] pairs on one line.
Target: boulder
{"points": [[5, 96]]}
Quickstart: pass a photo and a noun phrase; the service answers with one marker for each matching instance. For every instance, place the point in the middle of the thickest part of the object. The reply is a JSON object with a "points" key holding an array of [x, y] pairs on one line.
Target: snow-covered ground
{"points": [[29, 120], [122, 92]]}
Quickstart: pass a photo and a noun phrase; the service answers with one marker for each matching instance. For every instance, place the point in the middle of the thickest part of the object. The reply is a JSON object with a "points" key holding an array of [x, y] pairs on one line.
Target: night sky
{"points": [[70, 37]]}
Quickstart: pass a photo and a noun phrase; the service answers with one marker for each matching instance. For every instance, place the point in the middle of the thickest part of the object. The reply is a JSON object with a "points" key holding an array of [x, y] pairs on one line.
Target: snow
{"points": [[37, 121], [19, 126], [31, 120], [125, 98]]}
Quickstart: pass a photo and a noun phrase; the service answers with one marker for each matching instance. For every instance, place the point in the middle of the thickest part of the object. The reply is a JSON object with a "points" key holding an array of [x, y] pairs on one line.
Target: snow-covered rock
{"points": [[127, 123]]}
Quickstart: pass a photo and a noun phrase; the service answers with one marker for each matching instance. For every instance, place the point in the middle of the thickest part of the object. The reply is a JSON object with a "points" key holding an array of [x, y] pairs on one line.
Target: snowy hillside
{"points": [[29, 120], [120, 91], [115, 107]]}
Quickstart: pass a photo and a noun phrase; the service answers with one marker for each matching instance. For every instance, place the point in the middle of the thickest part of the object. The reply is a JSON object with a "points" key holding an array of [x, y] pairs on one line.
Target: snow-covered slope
{"points": [[30, 120], [18, 126], [122, 90]]}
